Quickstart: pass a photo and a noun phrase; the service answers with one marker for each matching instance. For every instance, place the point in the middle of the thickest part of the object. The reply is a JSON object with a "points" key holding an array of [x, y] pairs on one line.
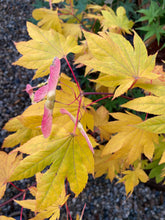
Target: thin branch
{"points": [[78, 111], [21, 190], [105, 97], [105, 93], [24, 195], [16, 196], [73, 73]]}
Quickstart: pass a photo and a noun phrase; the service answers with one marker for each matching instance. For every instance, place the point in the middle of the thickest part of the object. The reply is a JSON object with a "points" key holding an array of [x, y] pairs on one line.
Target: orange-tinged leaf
{"points": [[116, 23], [48, 19], [131, 179], [39, 52], [8, 162], [114, 56]]}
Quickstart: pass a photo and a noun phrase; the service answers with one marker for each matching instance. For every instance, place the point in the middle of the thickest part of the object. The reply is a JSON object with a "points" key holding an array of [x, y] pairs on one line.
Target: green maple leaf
{"points": [[151, 13]]}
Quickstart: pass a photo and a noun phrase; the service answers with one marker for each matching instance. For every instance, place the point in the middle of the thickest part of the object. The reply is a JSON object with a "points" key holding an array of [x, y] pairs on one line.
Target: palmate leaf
{"points": [[129, 142], [131, 179], [39, 52], [103, 164], [69, 156], [52, 212], [153, 105], [121, 63], [116, 23], [48, 19], [22, 133], [8, 162]]}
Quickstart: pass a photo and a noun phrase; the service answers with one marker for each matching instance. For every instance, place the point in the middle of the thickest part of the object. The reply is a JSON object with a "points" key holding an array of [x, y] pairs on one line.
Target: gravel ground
{"points": [[104, 200]]}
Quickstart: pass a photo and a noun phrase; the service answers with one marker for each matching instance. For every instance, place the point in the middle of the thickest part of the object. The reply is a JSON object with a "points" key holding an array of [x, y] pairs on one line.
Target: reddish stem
{"points": [[73, 73], [71, 5], [146, 117], [66, 205], [82, 213], [98, 100], [22, 207], [78, 111], [105, 93], [21, 190], [16, 196], [133, 83]]}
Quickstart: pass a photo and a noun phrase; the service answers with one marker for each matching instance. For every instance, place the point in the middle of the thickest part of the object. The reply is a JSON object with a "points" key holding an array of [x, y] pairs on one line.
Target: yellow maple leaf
{"points": [[155, 86], [69, 13], [118, 23], [101, 118], [72, 29], [121, 63], [129, 141], [131, 179], [104, 165], [52, 212], [48, 19], [22, 133], [39, 52], [153, 105], [69, 156], [8, 162], [2, 217]]}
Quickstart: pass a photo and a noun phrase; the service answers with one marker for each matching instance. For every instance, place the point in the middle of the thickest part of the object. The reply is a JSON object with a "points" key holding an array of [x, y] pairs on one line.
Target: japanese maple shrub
{"points": [[62, 127]]}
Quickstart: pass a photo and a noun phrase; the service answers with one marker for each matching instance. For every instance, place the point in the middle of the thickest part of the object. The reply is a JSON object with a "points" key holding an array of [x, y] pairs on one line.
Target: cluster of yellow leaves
{"points": [[125, 148], [66, 152]]}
